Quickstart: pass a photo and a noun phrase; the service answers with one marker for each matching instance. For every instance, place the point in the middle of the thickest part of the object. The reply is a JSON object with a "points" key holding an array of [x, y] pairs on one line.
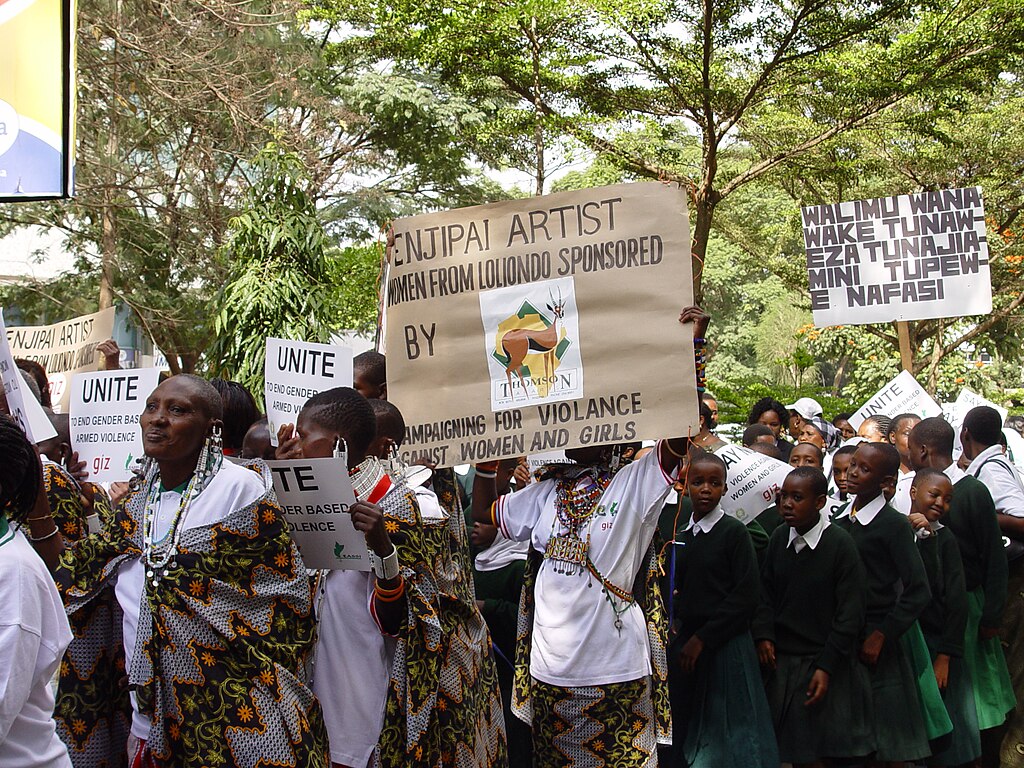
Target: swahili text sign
{"points": [[542, 324], [316, 497], [906, 257], [105, 411]]}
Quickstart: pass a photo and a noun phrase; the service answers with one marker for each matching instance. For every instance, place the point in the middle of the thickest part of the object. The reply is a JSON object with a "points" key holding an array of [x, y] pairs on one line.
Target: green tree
{"points": [[279, 279], [713, 94]]}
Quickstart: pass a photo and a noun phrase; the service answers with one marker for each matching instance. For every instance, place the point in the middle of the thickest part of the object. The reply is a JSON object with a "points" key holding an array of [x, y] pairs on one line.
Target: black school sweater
{"points": [[944, 621], [972, 519], [812, 601], [896, 585], [716, 584]]}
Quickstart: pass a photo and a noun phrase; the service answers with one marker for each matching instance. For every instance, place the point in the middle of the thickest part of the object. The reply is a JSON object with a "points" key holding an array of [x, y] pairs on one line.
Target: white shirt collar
{"points": [[872, 508], [706, 523], [809, 539], [954, 473], [988, 453]]}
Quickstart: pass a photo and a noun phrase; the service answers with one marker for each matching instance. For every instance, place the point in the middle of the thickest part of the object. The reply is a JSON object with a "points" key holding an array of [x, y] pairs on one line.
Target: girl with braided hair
{"points": [[34, 630]]}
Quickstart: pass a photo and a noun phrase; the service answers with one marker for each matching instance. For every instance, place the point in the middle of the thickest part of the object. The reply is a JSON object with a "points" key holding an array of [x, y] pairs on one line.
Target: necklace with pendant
{"points": [[575, 503]]}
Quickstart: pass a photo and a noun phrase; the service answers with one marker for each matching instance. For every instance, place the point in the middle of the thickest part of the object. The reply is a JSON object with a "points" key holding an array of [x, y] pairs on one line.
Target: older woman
{"points": [[215, 601]]}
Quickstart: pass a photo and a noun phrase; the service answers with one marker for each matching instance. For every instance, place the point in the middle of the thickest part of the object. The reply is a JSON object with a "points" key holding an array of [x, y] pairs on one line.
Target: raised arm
{"points": [[675, 449]]}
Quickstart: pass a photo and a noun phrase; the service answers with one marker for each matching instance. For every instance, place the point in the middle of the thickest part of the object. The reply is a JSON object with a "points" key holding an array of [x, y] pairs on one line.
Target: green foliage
{"points": [[279, 284]]}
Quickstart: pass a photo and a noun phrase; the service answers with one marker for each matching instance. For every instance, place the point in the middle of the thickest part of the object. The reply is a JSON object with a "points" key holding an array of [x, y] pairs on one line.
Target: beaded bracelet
{"points": [[50, 535], [487, 466], [700, 363]]}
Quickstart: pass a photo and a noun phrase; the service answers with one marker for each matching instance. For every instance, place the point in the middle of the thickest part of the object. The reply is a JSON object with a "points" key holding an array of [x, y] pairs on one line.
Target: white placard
{"points": [[752, 481], [901, 395], [23, 407], [904, 257], [316, 496], [967, 400], [297, 370], [832, 505], [105, 411]]}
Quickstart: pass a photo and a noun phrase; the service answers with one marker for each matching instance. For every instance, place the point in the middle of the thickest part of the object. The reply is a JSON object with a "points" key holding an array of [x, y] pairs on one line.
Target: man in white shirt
{"points": [[980, 436]]}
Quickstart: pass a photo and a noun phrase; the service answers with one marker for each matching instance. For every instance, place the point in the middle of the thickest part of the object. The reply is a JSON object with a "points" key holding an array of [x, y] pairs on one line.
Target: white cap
{"points": [[806, 407]]}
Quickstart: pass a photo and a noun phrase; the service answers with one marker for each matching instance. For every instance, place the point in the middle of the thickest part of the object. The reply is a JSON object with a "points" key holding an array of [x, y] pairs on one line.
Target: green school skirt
{"points": [[838, 727], [937, 723], [899, 726], [993, 692], [720, 716], [965, 745], [598, 726]]}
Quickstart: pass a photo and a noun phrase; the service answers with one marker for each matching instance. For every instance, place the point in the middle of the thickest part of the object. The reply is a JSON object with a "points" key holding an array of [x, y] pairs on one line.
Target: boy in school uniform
{"points": [[972, 520], [807, 626], [945, 619], [885, 542], [713, 664]]}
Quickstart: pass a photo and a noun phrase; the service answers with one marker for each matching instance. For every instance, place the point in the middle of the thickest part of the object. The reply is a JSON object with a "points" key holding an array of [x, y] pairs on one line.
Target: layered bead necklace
{"points": [[158, 554], [575, 504]]}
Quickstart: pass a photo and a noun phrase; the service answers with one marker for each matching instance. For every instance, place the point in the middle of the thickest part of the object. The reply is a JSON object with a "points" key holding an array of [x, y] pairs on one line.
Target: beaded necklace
{"points": [[158, 555]]}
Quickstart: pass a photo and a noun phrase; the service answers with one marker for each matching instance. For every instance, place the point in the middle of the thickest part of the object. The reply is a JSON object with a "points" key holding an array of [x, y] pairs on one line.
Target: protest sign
{"points": [[105, 411], [906, 257], [901, 395], [967, 400], [832, 505], [316, 497], [752, 481], [297, 370], [63, 349], [542, 324], [22, 406]]}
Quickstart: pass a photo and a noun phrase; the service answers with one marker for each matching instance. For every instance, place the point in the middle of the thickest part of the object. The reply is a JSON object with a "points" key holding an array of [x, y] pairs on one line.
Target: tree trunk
{"points": [[540, 175], [703, 212]]}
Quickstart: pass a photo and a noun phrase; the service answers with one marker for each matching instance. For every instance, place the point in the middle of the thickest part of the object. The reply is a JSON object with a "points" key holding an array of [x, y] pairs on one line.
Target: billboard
{"points": [[36, 99]]}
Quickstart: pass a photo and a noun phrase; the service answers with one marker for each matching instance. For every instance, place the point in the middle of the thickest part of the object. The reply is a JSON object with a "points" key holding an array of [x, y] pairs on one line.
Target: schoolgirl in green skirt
{"points": [[944, 621], [719, 711], [885, 542], [807, 625]]}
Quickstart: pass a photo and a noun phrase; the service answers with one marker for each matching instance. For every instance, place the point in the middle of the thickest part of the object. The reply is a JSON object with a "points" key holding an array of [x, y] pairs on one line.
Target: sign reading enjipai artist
{"points": [[906, 257], [543, 324], [63, 349]]}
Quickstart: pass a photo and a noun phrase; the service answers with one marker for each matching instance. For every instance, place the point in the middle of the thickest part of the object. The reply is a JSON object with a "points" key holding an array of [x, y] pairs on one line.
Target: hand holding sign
{"points": [[368, 519]]}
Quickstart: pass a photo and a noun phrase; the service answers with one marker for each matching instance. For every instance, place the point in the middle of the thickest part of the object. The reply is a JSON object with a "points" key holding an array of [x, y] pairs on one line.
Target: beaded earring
{"points": [[341, 449]]}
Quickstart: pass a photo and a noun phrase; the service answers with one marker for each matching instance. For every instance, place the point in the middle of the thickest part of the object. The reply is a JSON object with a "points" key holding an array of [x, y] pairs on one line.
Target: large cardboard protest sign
{"points": [[901, 395], [22, 405], [543, 324], [105, 411], [316, 497], [906, 257], [752, 481], [297, 370], [63, 349]]}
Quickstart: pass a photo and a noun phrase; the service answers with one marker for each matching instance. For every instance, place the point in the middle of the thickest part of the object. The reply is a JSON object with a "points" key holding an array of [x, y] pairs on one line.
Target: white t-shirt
{"points": [[352, 664], [1000, 477], [575, 642], [34, 633], [232, 488]]}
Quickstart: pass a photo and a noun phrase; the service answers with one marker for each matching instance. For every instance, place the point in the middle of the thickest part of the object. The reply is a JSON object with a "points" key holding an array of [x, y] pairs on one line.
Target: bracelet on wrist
{"points": [[389, 595], [486, 475], [487, 466], [45, 536], [387, 567], [39, 518]]}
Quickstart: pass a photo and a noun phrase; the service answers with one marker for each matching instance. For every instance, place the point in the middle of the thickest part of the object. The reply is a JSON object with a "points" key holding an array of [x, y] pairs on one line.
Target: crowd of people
{"points": [[601, 612]]}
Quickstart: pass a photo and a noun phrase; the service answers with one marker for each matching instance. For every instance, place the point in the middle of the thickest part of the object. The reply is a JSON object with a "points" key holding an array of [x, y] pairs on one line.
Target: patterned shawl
{"points": [[443, 707], [221, 668]]}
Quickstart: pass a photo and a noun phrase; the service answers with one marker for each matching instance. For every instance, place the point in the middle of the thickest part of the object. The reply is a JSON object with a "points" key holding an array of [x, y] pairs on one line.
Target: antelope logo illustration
{"points": [[532, 338], [519, 342]]}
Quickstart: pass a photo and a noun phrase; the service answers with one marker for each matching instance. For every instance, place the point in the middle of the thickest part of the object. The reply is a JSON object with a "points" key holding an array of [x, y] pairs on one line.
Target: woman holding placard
{"points": [[200, 560]]}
